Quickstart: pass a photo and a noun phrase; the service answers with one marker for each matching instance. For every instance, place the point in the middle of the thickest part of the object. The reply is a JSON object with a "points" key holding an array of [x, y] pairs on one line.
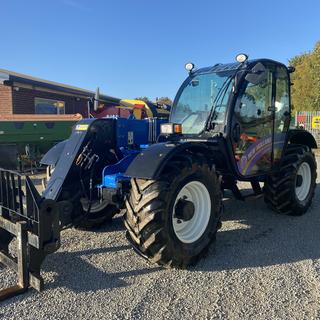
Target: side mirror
{"points": [[257, 74], [291, 69]]}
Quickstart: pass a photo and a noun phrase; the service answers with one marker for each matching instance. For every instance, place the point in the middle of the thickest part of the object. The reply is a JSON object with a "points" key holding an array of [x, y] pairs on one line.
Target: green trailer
{"points": [[25, 138]]}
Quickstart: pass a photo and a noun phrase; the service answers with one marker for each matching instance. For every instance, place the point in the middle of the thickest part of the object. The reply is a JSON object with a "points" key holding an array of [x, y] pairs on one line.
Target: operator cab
{"points": [[247, 103]]}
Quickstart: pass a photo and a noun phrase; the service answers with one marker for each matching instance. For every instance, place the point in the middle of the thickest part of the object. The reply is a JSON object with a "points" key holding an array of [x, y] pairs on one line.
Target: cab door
{"points": [[282, 113], [252, 127]]}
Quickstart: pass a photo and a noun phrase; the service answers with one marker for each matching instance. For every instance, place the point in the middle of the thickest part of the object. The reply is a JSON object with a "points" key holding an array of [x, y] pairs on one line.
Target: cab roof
{"points": [[235, 66]]}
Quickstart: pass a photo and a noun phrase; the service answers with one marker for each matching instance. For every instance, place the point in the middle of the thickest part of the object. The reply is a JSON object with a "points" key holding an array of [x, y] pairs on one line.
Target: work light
{"points": [[189, 66], [241, 57], [171, 128]]}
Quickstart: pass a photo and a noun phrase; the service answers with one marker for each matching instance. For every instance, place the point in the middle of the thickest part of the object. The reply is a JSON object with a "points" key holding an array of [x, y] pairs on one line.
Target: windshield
{"points": [[199, 97]]}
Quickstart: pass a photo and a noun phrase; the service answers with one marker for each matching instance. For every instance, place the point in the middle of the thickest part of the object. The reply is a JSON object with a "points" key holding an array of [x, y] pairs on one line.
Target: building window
{"points": [[48, 106]]}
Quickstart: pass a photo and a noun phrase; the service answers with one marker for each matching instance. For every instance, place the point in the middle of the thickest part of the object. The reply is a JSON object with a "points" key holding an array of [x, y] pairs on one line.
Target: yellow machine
{"points": [[142, 109]]}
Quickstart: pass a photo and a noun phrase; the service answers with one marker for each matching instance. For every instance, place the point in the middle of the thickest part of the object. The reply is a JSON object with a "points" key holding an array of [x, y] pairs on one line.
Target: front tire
{"points": [[291, 190], [100, 214], [173, 220]]}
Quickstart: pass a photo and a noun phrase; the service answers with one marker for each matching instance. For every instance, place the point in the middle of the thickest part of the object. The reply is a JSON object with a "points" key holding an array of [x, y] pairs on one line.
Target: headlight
{"points": [[171, 128]]}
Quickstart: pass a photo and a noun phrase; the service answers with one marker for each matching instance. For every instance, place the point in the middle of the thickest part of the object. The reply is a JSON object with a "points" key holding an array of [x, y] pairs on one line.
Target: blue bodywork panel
{"points": [[113, 174], [132, 132], [132, 136]]}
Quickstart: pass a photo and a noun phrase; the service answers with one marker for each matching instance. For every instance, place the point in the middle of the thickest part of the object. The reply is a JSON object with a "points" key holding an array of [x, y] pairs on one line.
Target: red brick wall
{"points": [[5, 99], [23, 101]]}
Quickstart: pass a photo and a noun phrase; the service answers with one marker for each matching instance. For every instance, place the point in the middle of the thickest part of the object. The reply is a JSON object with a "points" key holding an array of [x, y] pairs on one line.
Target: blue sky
{"points": [[135, 48]]}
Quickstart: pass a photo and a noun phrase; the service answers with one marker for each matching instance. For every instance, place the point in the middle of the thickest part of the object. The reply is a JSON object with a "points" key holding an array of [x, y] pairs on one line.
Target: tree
{"points": [[306, 79], [145, 99], [164, 100]]}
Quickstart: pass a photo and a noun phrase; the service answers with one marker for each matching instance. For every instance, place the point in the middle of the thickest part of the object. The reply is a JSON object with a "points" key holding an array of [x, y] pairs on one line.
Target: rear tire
{"points": [[151, 217], [291, 190]]}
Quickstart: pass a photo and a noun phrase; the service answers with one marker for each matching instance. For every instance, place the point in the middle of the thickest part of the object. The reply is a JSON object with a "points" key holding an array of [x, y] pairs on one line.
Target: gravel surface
{"points": [[264, 266]]}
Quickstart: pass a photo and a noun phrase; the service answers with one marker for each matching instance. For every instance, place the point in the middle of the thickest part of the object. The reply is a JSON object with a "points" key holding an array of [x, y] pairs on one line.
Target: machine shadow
{"points": [[111, 226], [254, 236], [79, 271]]}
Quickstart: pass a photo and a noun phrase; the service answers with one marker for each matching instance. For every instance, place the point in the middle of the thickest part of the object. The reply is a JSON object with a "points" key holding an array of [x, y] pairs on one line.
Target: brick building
{"points": [[22, 94]]}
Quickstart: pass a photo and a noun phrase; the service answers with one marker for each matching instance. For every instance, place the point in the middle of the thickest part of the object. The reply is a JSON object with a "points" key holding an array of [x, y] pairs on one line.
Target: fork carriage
{"points": [[33, 222]]}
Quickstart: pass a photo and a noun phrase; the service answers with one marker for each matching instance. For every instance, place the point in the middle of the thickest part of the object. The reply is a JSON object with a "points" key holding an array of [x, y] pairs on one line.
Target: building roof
{"points": [[11, 77]]}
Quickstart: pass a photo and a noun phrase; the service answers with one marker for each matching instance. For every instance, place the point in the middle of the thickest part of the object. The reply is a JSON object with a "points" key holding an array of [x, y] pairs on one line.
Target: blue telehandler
{"points": [[228, 123]]}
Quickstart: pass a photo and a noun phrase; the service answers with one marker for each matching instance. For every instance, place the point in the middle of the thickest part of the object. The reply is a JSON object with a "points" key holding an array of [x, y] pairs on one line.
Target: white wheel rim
{"points": [[302, 191], [191, 230]]}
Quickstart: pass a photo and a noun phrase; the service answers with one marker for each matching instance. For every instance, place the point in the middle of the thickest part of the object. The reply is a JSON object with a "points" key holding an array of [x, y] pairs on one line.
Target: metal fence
{"points": [[309, 120]]}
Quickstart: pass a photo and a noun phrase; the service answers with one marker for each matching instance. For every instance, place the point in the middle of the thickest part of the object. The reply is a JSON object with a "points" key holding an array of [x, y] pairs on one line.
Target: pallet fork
{"points": [[34, 222]]}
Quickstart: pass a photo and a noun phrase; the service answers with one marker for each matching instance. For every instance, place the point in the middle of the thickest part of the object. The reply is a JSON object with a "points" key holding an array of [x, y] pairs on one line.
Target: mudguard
{"points": [[149, 163], [52, 156], [299, 136]]}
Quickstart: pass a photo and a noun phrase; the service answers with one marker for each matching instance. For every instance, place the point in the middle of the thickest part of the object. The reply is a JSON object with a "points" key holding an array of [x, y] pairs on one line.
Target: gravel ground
{"points": [[264, 266]]}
